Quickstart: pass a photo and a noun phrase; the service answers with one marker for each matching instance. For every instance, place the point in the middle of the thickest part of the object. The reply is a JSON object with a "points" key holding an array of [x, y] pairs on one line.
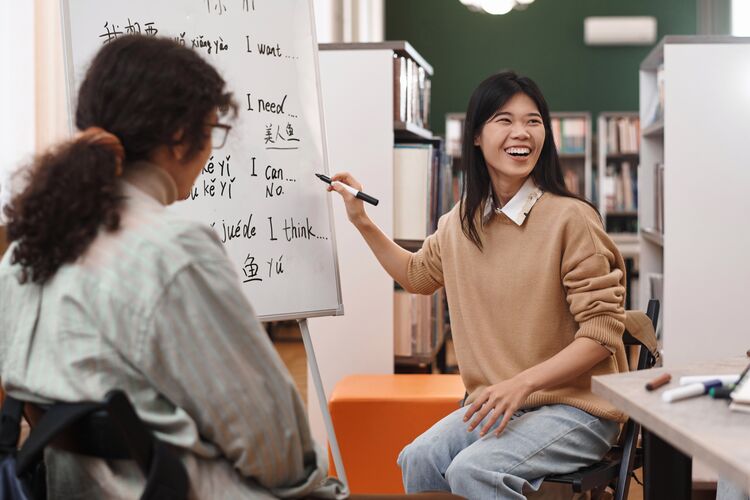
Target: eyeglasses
{"points": [[219, 133]]}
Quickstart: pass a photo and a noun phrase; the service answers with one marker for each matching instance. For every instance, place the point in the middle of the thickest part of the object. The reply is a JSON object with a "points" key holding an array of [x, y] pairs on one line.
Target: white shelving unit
{"points": [[701, 139], [357, 83]]}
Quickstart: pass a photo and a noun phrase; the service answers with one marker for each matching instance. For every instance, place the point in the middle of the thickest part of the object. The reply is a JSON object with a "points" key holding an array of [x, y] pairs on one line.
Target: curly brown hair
{"points": [[144, 90]]}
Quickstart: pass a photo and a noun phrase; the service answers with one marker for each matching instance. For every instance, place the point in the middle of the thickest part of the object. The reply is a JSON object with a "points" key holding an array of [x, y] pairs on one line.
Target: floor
{"points": [[292, 351]]}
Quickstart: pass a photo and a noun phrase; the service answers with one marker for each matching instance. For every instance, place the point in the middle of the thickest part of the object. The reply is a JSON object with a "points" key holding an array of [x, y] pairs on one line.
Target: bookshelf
{"points": [[618, 159], [616, 188], [572, 134], [359, 107], [693, 201], [423, 191]]}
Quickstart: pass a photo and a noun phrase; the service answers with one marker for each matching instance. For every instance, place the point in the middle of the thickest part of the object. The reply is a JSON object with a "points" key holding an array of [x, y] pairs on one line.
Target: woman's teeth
{"points": [[518, 151]]}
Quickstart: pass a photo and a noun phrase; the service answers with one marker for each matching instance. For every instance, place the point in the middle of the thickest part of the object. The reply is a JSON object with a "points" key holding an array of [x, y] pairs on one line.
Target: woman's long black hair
{"points": [[490, 96], [144, 90]]}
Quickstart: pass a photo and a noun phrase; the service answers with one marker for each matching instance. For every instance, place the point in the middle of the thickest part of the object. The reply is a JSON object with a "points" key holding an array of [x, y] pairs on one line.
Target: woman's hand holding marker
{"points": [[355, 209]]}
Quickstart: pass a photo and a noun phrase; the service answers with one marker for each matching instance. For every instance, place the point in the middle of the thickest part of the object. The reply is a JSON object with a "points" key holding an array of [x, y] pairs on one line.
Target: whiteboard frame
{"points": [[70, 88]]}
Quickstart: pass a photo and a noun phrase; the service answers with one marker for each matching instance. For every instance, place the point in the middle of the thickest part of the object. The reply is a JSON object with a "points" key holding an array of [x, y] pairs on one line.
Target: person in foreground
{"points": [[103, 288], [536, 293]]}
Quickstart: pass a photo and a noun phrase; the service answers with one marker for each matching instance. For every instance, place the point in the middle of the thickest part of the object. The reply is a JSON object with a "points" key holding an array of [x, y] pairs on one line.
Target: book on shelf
{"points": [[620, 188], [399, 88], [412, 177], [569, 135], [412, 89], [418, 320], [659, 197], [423, 189], [623, 135]]}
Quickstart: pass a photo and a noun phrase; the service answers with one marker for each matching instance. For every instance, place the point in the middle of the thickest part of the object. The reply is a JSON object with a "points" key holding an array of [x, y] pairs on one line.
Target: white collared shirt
{"points": [[518, 207]]}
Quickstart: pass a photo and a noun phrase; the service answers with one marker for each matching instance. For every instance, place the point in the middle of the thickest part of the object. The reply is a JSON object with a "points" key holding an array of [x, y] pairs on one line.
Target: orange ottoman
{"points": [[375, 416]]}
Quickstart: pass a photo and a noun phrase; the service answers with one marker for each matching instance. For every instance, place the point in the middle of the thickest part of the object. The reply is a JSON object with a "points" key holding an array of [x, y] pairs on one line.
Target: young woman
{"points": [[535, 288], [103, 288]]}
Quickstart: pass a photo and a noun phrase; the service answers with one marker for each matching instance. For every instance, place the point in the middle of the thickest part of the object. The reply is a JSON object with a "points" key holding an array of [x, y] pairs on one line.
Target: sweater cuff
{"points": [[604, 330], [419, 278]]}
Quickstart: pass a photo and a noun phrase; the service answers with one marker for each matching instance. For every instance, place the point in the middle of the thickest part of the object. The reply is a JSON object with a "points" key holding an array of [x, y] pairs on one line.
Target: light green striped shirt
{"points": [[155, 309]]}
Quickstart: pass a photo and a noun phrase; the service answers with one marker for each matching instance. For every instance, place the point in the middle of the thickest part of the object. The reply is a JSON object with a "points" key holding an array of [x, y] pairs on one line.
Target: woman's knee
{"points": [[464, 467], [417, 452]]}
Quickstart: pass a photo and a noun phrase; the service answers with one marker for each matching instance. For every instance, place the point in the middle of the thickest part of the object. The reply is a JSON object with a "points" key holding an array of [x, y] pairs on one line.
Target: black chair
{"points": [[108, 430], [617, 467]]}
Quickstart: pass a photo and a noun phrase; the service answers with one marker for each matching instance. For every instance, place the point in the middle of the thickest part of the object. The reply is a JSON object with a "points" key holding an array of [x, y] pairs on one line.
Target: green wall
{"points": [[544, 42]]}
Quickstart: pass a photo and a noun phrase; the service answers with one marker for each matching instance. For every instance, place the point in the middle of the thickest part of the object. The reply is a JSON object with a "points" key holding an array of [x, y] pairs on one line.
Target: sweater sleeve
{"points": [[594, 281], [425, 269]]}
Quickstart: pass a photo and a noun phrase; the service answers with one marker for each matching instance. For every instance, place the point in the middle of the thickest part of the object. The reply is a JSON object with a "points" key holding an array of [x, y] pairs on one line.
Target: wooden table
{"points": [[699, 427]]}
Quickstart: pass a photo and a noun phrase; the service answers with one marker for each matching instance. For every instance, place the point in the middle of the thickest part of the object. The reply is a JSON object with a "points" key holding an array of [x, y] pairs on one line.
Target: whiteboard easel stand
{"points": [[318, 382]]}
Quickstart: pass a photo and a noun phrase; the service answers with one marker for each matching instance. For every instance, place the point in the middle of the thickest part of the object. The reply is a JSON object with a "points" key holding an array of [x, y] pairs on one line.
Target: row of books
{"points": [[623, 135], [424, 188], [620, 188], [659, 197], [569, 135], [412, 89], [419, 323]]}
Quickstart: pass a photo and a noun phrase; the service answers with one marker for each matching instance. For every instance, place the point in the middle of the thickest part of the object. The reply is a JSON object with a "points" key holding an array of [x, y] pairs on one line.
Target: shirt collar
{"points": [[518, 207], [153, 180]]}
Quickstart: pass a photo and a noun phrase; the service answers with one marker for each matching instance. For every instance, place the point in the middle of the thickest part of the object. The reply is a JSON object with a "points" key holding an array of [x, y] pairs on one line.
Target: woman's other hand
{"points": [[502, 400]]}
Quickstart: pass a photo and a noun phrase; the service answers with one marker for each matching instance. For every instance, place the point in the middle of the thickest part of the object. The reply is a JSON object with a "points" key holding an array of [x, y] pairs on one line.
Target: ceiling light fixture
{"points": [[496, 7]]}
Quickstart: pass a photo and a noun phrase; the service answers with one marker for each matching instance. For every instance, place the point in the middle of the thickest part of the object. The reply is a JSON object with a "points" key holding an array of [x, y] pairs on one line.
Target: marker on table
{"points": [[688, 391], [721, 392], [659, 381], [694, 379], [359, 194]]}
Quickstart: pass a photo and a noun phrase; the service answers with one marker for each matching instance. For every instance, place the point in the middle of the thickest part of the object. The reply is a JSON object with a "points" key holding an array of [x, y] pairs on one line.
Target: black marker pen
{"points": [[359, 194]]}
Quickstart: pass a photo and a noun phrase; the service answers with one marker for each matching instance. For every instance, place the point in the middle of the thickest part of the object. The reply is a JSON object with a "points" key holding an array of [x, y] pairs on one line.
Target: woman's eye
{"points": [[535, 122], [503, 120]]}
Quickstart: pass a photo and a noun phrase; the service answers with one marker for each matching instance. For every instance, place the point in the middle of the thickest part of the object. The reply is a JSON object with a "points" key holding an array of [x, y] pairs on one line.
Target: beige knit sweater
{"points": [[532, 290]]}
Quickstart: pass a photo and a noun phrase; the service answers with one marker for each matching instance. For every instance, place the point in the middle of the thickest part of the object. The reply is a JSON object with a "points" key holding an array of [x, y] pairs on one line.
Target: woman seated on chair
{"points": [[103, 288], [535, 289]]}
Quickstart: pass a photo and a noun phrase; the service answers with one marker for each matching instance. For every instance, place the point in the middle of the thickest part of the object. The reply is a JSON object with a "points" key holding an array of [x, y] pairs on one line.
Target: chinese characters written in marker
{"points": [[112, 31], [220, 6], [279, 139]]}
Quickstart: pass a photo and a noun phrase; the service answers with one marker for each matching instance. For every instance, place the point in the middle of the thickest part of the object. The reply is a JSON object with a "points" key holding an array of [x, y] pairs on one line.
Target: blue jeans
{"points": [[537, 442]]}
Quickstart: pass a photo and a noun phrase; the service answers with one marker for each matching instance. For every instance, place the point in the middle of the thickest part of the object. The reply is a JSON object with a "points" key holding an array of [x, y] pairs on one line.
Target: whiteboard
{"points": [[258, 192]]}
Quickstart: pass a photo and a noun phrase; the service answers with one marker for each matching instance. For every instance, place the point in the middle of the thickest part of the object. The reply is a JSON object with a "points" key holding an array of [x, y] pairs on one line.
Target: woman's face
{"points": [[512, 139]]}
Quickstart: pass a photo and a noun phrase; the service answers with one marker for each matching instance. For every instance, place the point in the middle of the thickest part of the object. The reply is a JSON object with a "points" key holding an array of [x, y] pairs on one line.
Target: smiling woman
{"points": [[507, 110], [536, 290]]}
